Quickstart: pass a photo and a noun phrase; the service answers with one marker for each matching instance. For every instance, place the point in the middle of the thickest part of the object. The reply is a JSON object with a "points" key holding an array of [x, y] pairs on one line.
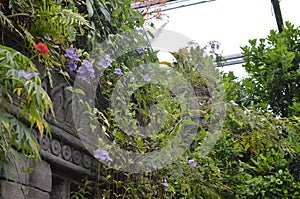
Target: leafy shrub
{"points": [[273, 67]]}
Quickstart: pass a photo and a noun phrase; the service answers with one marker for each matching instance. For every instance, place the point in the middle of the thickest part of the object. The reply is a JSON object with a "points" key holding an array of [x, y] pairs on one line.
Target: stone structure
{"points": [[64, 162]]}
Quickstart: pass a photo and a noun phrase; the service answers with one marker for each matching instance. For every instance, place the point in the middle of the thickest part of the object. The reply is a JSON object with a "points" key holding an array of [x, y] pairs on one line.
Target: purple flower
{"points": [[164, 182], [147, 78], [118, 71], [140, 50], [71, 53], [86, 71], [192, 163], [102, 155], [72, 66], [106, 62], [234, 103], [153, 166], [28, 75]]}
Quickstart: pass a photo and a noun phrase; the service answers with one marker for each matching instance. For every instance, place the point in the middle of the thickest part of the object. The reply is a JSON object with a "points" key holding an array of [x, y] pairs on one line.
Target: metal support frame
{"points": [[231, 60]]}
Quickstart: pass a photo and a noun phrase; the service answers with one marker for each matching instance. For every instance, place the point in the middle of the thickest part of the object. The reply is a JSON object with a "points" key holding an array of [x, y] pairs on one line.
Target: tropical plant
{"points": [[24, 105], [274, 71]]}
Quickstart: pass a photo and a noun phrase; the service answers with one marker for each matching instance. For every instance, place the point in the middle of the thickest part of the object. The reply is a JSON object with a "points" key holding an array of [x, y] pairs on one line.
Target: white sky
{"points": [[231, 22]]}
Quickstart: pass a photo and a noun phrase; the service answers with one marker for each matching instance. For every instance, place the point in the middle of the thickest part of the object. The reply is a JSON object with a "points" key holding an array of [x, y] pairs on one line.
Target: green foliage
{"points": [[84, 189], [273, 67], [234, 88], [8, 23], [63, 22], [229, 171], [184, 181], [256, 147], [24, 104], [281, 184], [256, 154], [108, 17]]}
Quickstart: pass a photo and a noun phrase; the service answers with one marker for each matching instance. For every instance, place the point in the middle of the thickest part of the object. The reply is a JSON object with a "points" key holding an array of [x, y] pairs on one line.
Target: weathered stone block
{"points": [[36, 194], [41, 177], [14, 172], [10, 190]]}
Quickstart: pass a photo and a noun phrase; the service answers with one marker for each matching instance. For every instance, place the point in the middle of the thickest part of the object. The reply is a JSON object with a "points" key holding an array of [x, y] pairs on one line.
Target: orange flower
{"points": [[41, 47]]}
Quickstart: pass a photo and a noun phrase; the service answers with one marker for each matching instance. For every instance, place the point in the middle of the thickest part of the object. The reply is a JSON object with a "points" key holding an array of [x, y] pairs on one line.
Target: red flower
{"points": [[41, 47]]}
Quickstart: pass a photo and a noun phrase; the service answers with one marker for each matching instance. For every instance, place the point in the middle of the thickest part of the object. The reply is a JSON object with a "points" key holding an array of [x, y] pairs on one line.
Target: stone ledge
{"points": [[64, 168]]}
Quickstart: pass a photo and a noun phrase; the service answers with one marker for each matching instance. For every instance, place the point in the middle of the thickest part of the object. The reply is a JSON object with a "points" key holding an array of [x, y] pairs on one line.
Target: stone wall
{"points": [[15, 184], [64, 161]]}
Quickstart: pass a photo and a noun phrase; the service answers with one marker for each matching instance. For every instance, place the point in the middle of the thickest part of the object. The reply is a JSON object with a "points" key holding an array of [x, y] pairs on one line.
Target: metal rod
{"points": [[231, 60], [278, 15]]}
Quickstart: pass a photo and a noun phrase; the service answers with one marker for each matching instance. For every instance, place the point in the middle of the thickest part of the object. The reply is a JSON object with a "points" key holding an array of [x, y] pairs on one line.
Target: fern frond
{"points": [[27, 35], [7, 22], [68, 17]]}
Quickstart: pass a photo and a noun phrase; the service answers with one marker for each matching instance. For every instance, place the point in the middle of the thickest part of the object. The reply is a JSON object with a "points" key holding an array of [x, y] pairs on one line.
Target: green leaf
{"points": [[104, 11], [89, 6], [119, 135]]}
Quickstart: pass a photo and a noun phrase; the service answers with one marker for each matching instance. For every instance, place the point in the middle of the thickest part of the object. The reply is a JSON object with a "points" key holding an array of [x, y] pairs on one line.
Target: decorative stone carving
{"points": [[45, 143], [76, 157], [61, 98], [55, 147], [87, 161], [66, 152]]}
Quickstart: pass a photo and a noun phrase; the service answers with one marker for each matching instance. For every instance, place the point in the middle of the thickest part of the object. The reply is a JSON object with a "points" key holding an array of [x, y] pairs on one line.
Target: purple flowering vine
{"points": [[147, 78], [102, 155], [72, 66], [105, 62], [118, 71], [28, 75], [165, 182], [86, 71], [140, 50], [71, 53], [192, 163], [233, 103], [73, 58]]}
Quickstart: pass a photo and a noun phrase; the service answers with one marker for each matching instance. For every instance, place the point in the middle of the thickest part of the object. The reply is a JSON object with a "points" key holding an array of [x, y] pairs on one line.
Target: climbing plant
{"points": [[256, 152]]}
